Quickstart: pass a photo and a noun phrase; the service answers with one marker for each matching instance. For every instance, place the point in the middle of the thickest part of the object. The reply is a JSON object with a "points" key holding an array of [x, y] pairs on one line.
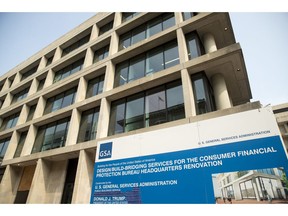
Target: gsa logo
{"points": [[105, 150]]}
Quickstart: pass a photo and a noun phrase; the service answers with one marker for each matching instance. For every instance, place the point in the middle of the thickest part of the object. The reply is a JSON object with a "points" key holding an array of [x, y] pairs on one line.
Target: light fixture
{"points": [[238, 69], [225, 28]]}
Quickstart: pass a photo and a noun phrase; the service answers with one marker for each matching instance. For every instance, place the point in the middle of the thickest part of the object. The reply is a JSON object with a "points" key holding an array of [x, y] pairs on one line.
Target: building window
{"points": [[20, 144], [49, 60], [51, 136], [41, 84], [146, 30], [88, 125], [60, 101], [3, 147], [268, 171], [68, 70], [128, 15], [29, 73], [20, 95], [95, 86], [10, 121], [105, 28], [203, 94], [194, 45], [247, 190], [188, 15], [31, 112], [152, 107], [75, 45], [101, 54], [150, 62]]}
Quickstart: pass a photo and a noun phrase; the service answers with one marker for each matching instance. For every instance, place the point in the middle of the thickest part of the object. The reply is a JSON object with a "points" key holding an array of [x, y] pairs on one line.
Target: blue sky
{"points": [[262, 36]]}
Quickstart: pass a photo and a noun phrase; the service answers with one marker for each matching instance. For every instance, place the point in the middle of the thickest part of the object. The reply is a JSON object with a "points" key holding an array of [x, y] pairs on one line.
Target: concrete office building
{"points": [[114, 75], [281, 115]]}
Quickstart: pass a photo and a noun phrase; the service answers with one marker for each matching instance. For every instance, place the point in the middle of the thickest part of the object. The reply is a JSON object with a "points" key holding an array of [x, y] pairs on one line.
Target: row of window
{"points": [[155, 106], [142, 32]]}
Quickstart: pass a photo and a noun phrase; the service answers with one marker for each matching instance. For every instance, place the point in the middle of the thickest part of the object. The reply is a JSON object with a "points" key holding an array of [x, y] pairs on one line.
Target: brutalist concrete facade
{"points": [[32, 173]]}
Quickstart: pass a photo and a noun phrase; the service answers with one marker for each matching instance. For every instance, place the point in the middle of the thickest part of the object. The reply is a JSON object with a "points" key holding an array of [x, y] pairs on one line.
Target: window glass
{"points": [[134, 112], [154, 27], [20, 144], [41, 84], [31, 112], [105, 28], [101, 54], [187, 15], [138, 34], [154, 61], [128, 15], [168, 20], [137, 68], [155, 106], [3, 147], [48, 137], [171, 55], [125, 41], [69, 98], [57, 102], [59, 135], [49, 60], [117, 117], [20, 95], [194, 46], [175, 101], [121, 74]]}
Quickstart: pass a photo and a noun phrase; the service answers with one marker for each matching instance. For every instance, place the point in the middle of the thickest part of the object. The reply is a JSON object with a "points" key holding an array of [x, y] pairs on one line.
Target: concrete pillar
{"points": [[48, 182], [58, 54], [23, 115], [178, 17], [49, 78], [6, 84], [209, 43], [40, 107], [94, 32], [182, 48], [81, 91], [103, 121], [84, 178], [114, 43], [88, 58], [221, 95], [29, 142], [12, 146], [117, 19], [17, 79], [42, 63], [190, 109], [73, 128], [7, 101], [9, 184], [109, 76], [33, 87]]}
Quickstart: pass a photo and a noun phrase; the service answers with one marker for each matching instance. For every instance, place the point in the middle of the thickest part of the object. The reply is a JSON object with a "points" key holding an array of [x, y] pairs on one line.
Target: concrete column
{"points": [[114, 43], [73, 128], [255, 187], [81, 91], [182, 48], [190, 109], [33, 87], [9, 184], [17, 79], [48, 182], [178, 17], [49, 78], [84, 178], [58, 54], [29, 142], [221, 95], [117, 19], [88, 58], [12, 146], [6, 84], [23, 115], [209, 43], [40, 107], [103, 121], [42, 63], [7, 101], [109, 76], [94, 32]]}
